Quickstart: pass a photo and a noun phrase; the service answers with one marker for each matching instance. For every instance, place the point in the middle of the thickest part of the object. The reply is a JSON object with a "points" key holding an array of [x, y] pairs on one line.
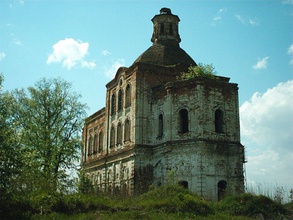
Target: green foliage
{"points": [[39, 142], [204, 70], [10, 155], [174, 198], [85, 185], [48, 118], [251, 205]]}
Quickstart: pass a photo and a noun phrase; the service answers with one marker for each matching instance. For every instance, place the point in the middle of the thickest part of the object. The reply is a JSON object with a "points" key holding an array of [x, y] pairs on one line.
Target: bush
{"points": [[173, 198], [251, 205], [77, 203], [15, 208]]}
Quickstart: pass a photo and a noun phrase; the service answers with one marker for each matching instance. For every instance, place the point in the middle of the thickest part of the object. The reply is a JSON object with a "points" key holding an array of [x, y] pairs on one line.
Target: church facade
{"points": [[156, 128]]}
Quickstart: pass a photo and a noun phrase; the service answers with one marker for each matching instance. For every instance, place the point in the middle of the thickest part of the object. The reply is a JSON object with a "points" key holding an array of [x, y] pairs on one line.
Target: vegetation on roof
{"points": [[205, 70]]}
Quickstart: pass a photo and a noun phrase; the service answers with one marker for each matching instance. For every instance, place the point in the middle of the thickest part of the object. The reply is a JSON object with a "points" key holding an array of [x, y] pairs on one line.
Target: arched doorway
{"points": [[183, 183], [222, 186]]}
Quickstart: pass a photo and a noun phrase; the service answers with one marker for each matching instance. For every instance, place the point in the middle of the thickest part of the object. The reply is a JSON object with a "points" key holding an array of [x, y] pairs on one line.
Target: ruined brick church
{"points": [[156, 128]]}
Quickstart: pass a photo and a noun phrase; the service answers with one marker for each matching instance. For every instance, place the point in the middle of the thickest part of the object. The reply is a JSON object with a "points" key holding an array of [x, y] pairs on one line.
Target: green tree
{"points": [[10, 153], [205, 70], [48, 120]]}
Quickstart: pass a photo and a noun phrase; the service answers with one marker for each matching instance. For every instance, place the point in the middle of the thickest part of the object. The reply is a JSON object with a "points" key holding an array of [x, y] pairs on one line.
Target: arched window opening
{"points": [[119, 134], [161, 126], [101, 142], [162, 29], [96, 143], [127, 130], [120, 100], [183, 183], [90, 148], [219, 121], [170, 29], [222, 186], [183, 121], [128, 96], [112, 137], [113, 104]]}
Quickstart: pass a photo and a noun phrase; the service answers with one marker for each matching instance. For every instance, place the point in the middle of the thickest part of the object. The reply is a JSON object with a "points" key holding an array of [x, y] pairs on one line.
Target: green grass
{"points": [[168, 202]]}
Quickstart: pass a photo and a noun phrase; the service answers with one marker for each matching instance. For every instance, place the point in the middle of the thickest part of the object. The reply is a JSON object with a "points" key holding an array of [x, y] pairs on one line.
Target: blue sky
{"points": [[85, 42]]}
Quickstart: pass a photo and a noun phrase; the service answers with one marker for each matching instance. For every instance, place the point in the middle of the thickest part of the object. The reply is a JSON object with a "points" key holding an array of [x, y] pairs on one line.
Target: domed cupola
{"points": [[165, 50], [166, 28]]}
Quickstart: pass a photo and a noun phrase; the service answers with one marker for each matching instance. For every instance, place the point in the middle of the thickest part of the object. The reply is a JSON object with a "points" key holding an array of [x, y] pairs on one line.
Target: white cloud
{"points": [[111, 71], [105, 52], [290, 52], [261, 64], [239, 18], [88, 64], [218, 18], [287, 2], [254, 21], [17, 42], [2, 55], [70, 52], [266, 131]]}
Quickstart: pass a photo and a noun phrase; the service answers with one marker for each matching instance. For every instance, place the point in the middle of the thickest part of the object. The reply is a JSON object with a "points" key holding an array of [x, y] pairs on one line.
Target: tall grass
{"points": [[166, 202], [279, 194]]}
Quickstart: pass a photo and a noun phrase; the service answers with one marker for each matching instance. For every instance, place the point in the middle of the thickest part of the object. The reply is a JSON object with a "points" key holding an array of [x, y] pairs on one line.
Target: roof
{"points": [[165, 55]]}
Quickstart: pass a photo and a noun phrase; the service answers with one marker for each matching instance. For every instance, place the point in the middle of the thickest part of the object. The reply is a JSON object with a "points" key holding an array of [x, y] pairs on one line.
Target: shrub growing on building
{"points": [[204, 70]]}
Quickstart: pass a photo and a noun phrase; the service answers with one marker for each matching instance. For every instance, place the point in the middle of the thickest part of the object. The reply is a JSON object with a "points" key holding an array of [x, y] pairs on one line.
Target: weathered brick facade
{"points": [[156, 128]]}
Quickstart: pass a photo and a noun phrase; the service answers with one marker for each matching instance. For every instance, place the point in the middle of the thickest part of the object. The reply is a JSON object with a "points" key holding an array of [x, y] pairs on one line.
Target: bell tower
{"points": [[166, 28]]}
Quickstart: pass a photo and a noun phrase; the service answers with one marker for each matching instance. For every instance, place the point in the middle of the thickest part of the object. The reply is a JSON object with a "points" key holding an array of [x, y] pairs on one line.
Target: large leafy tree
{"points": [[10, 153], [48, 119]]}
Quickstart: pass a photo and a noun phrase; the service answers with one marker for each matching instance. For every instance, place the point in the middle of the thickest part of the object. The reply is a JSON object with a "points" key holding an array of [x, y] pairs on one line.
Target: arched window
{"points": [[113, 104], [127, 130], [162, 29], [112, 137], [120, 100], [161, 126], [183, 183], [90, 148], [119, 134], [219, 121], [100, 142], [127, 96], [222, 186], [170, 29], [96, 143], [183, 121]]}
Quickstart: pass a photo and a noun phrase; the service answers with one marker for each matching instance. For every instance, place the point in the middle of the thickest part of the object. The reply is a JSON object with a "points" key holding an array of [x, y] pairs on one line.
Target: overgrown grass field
{"points": [[168, 202]]}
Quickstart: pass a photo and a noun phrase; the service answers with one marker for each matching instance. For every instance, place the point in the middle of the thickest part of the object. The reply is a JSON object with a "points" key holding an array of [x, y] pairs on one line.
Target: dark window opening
{"points": [[170, 29], [127, 130], [119, 134], [100, 142], [162, 29], [112, 137], [222, 186], [183, 183], [90, 143], [219, 121], [161, 126], [183, 121], [127, 96], [120, 100], [113, 104], [95, 144]]}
